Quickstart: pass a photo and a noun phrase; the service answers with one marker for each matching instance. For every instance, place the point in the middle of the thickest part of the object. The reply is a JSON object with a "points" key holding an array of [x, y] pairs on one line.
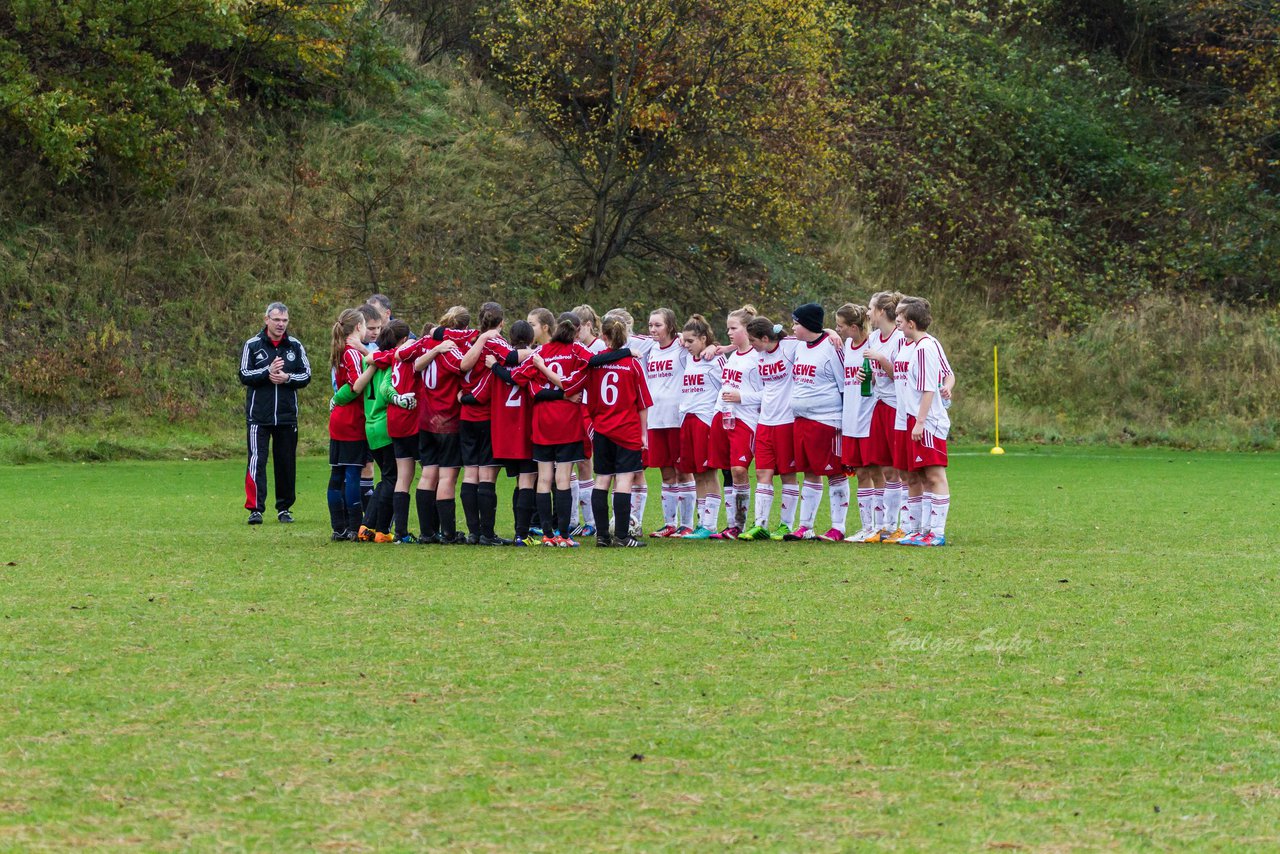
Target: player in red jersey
{"points": [[580, 482], [511, 414], [556, 379], [618, 400], [480, 471], [347, 446], [439, 413]]}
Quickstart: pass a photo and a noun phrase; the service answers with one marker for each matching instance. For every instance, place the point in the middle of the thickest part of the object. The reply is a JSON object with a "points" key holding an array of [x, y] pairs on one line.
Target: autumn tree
{"points": [[673, 120], [121, 85]]}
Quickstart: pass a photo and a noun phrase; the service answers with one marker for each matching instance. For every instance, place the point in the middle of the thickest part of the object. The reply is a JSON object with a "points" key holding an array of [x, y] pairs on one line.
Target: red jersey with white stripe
{"points": [[882, 380], [438, 388], [346, 422], [401, 422], [618, 393], [664, 372], [742, 372], [923, 366], [818, 382], [855, 420], [775, 380], [473, 379], [700, 388], [557, 422], [511, 414]]}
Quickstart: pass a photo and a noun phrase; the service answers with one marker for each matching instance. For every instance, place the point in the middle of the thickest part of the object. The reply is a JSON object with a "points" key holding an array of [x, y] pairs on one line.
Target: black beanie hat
{"points": [[809, 316]]}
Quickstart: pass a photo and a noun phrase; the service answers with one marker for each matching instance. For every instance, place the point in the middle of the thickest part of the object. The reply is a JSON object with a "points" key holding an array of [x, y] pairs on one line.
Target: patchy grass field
{"points": [[1093, 663]]}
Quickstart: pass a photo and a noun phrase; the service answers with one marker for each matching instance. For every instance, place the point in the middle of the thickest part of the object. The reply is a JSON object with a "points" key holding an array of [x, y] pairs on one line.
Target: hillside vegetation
{"points": [[1100, 205]]}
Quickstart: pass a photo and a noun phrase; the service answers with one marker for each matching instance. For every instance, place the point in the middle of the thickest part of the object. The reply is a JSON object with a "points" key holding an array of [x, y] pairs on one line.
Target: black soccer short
{"points": [[406, 447], [612, 458], [439, 449], [477, 443], [515, 468], [344, 452], [564, 453]]}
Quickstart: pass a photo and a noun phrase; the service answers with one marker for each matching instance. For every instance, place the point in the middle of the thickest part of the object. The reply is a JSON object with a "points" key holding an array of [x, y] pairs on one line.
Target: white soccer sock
{"points": [[730, 505], [711, 511], [584, 507], [866, 509], [764, 504], [894, 495], [686, 500], [741, 505], [926, 512], [575, 495], [700, 505], [878, 511], [911, 525], [938, 519], [639, 496], [810, 498], [790, 500], [839, 489], [669, 504]]}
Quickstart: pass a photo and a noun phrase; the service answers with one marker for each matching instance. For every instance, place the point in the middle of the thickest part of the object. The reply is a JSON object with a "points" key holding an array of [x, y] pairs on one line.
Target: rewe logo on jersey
{"points": [[664, 368], [773, 370], [805, 370], [694, 380], [731, 376]]}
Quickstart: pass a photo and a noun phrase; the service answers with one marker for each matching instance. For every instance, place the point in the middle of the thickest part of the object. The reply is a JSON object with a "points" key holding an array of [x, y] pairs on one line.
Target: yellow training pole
{"points": [[995, 356]]}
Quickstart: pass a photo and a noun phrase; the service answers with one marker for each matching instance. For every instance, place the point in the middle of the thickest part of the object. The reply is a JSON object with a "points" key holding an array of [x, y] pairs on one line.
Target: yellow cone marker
{"points": [[995, 356]]}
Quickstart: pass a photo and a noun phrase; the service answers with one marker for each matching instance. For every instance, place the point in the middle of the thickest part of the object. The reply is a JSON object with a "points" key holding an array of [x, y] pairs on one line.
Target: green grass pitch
{"points": [[1093, 663]]}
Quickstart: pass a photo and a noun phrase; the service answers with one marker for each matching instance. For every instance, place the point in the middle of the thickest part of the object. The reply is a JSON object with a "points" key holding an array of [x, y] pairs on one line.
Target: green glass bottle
{"points": [[866, 378]]}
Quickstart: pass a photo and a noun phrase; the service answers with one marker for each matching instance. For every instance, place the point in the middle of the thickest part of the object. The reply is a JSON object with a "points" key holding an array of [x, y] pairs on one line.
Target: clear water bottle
{"points": [[946, 401], [729, 421]]}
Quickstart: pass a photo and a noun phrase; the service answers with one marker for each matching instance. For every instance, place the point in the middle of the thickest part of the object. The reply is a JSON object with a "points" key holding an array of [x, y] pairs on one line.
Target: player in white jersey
{"points": [[664, 367], [775, 442], [733, 430], [924, 367], [817, 399], [855, 421], [582, 478], [699, 397], [883, 345], [915, 514]]}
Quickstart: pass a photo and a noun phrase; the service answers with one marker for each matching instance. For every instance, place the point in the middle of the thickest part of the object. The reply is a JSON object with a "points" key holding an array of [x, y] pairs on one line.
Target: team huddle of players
{"points": [[575, 408]]}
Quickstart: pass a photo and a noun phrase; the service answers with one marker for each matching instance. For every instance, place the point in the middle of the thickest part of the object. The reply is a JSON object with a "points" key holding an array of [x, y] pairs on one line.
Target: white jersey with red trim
{"points": [[889, 345], [664, 371], [775, 377], [922, 368], [596, 345], [855, 420], [818, 382], [700, 388], [742, 372], [640, 345]]}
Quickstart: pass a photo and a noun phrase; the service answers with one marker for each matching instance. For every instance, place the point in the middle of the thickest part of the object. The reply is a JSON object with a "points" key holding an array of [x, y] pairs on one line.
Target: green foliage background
{"points": [[1095, 193]]}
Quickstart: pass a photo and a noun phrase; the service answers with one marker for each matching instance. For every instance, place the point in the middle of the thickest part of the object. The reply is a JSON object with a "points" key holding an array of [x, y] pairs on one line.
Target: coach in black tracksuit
{"points": [[273, 367]]}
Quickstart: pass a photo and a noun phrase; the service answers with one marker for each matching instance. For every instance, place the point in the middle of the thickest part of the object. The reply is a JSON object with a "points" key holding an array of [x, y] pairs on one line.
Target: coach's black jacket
{"points": [[266, 402]]}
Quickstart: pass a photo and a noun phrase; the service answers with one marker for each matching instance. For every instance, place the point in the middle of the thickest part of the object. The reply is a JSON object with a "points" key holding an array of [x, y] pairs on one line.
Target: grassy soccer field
{"points": [[1093, 662]]}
